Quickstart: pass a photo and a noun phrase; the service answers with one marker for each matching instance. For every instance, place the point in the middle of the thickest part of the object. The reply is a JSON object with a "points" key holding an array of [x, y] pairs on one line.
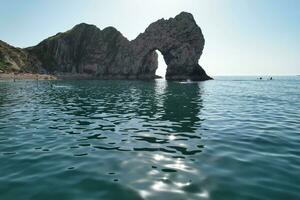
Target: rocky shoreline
{"points": [[26, 76], [68, 76]]}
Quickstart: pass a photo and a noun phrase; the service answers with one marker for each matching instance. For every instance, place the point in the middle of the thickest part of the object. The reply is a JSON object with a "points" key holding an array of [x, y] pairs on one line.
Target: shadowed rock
{"points": [[107, 54]]}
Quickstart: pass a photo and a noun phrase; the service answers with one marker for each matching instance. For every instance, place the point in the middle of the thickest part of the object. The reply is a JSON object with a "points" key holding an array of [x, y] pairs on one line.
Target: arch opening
{"points": [[162, 66]]}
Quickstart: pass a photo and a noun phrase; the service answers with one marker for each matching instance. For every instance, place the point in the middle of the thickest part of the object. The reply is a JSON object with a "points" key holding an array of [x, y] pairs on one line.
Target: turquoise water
{"points": [[231, 138]]}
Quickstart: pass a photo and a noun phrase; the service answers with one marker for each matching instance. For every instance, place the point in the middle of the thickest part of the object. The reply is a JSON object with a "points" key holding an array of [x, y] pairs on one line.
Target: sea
{"points": [[230, 138]]}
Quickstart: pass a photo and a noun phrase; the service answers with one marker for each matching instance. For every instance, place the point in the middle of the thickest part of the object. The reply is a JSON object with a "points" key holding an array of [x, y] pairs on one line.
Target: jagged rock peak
{"points": [[84, 26]]}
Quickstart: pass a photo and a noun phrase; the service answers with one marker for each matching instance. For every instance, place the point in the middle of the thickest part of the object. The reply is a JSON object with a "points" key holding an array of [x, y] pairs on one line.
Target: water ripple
{"points": [[221, 139]]}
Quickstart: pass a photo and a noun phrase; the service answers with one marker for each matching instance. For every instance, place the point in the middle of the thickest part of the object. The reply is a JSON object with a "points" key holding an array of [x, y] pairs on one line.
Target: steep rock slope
{"points": [[16, 60]]}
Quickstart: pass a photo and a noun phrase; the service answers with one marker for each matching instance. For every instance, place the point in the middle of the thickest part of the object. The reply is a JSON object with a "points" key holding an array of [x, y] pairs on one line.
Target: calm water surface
{"points": [[231, 138]]}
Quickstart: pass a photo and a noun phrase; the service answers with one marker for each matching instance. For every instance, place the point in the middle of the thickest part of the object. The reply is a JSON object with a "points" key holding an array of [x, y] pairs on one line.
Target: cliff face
{"points": [[108, 54], [15, 59], [83, 49]]}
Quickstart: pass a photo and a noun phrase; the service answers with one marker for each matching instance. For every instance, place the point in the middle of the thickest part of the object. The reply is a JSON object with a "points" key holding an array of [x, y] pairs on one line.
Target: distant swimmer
{"points": [[260, 78], [271, 78]]}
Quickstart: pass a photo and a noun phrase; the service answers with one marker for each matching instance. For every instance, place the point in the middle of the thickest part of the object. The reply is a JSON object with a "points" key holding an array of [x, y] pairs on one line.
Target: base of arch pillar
{"points": [[186, 78]]}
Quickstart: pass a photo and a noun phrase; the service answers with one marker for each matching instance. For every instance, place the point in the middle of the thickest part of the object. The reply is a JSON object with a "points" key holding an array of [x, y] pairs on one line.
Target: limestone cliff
{"points": [[181, 43], [106, 53]]}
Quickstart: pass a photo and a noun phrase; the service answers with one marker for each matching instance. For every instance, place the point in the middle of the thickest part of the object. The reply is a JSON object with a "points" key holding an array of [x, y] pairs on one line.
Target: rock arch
{"points": [[181, 42]]}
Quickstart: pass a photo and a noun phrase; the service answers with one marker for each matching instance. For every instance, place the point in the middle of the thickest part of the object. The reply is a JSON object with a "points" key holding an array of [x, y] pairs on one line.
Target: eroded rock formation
{"points": [[108, 54], [181, 43], [15, 59]]}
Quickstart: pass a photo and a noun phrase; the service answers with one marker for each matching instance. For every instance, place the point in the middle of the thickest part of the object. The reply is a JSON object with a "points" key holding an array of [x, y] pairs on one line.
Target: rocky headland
{"points": [[85, 51]]}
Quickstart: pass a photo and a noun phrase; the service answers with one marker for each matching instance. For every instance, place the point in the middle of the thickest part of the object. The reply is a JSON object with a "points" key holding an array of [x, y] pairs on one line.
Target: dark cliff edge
{"points": [[85, 51]]}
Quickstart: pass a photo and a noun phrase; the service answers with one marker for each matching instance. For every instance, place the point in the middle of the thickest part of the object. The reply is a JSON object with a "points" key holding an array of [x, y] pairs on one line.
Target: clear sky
{"points": [[243, 37]]}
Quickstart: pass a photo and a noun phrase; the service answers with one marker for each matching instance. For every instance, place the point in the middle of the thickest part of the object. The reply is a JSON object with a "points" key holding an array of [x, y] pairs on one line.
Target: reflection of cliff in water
{"points": [[166, 104], [154, 107], [182, 105], [3, 94]]}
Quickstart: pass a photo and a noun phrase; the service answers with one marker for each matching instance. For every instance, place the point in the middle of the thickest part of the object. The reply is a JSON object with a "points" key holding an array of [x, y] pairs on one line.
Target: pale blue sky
{"points": [[243, 37]]}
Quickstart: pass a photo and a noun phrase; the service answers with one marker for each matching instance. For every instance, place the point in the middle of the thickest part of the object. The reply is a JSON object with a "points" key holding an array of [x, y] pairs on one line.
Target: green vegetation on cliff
{"points": [[3, 66], [14, 59]]}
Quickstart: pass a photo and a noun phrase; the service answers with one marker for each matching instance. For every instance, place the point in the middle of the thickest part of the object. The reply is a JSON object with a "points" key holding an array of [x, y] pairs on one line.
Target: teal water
{"points": [[231, 138]]}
